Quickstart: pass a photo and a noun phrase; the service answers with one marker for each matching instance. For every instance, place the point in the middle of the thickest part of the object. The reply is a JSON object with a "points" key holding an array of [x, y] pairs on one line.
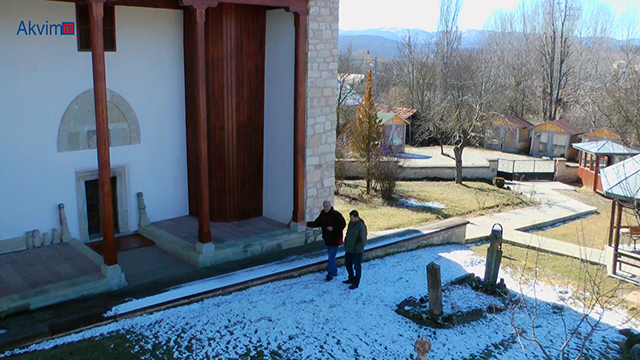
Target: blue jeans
{"points": [[332, 269], [353, 261]]}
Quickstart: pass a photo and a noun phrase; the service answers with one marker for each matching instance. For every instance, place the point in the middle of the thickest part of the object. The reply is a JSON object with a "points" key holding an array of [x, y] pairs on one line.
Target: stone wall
{"points": [[353, 170], [322, 84]]}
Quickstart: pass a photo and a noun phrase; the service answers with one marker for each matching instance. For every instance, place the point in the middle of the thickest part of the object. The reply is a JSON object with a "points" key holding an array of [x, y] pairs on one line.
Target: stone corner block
{"points": [[115, 276], [298, 227], [205, 249]]}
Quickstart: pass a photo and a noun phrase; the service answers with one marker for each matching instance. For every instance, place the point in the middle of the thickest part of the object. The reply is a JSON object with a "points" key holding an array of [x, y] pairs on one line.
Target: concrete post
{"points": [[494, 256], [435, 289]]}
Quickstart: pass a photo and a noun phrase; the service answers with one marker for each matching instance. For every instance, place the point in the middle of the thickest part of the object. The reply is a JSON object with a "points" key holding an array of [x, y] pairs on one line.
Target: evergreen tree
{"points": [[366, 133]]}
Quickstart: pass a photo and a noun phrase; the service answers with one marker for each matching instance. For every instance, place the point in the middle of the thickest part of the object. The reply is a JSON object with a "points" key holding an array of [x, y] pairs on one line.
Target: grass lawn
{"points": [[591, 231], [114, 346], [560, 270], [469, 199]]}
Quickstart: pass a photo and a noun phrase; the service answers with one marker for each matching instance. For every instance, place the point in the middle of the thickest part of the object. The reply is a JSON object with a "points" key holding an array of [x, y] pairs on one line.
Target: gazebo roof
{"points": [[622, 180], [604, 147]]}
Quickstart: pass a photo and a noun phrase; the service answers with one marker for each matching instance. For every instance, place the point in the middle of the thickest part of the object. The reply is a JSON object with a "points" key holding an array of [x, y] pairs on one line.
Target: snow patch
{"points": [[411, 202]]}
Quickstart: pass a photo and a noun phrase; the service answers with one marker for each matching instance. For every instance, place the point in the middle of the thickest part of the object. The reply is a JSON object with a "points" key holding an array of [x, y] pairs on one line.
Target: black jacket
{"points": [[326, 219]]}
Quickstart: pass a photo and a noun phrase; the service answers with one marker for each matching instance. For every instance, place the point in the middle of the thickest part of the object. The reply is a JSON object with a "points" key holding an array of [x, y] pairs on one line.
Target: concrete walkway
{"points": [[552, 208]]}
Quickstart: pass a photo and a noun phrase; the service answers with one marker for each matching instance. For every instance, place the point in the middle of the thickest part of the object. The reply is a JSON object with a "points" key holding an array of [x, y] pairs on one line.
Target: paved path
{"points": [[552, 208], [430, 156]]}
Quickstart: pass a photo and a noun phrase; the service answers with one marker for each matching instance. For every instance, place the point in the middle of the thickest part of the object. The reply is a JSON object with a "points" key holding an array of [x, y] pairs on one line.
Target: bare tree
{"points": [[585, 301], [350, 87], [620, 104], [559, 18]]}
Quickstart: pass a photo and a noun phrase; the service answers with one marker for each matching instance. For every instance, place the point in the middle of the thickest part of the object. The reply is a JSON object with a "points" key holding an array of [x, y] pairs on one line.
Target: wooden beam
{"points": [[295, 6], [96, 12], [595, 173], [299, 120], [204, 226], [617, 239], [159, 4], [611, 221], [199, 4]]}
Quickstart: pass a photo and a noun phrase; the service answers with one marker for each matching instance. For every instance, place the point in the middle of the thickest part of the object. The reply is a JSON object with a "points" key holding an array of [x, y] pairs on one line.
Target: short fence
{"points": [[526, 169]]}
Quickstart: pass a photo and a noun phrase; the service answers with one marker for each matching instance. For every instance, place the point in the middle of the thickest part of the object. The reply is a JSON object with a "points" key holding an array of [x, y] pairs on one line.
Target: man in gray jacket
{"points": [[354, 247]]}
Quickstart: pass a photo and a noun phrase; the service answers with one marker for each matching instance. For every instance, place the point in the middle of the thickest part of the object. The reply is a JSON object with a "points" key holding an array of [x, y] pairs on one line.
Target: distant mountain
{"points": [[384, 42], [379, 46], [395, 34]]}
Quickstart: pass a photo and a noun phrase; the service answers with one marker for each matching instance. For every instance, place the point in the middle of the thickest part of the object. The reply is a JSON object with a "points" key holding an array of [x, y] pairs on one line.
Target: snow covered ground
{"points": [[308, 318]]}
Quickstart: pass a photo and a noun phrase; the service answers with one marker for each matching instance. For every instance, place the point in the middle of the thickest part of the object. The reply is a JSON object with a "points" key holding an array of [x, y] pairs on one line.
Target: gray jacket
{"points": [[356, 237]]}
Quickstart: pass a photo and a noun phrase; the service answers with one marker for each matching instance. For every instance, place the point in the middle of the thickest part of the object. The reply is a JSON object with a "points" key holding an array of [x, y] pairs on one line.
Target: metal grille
{"points": [[526, 166]]}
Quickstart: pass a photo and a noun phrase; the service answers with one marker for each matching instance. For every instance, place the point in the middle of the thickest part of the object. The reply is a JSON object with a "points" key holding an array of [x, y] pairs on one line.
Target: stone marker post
{"points": [[494, 256], [435, 289]]}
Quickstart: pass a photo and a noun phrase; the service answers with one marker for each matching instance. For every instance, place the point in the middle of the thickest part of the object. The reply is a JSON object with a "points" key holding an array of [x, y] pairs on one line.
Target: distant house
{"points": [[554, 139], [393, 132], [602, 134], [412, 116], [594, 156], [508, 133]]}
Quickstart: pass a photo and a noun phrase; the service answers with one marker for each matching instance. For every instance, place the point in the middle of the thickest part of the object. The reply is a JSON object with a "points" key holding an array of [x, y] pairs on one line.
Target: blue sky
{"points": [[423, 14]]}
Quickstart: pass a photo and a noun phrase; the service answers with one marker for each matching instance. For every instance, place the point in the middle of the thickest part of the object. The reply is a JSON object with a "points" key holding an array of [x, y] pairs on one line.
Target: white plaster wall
{"points": [[41, 75], [278, 116]]}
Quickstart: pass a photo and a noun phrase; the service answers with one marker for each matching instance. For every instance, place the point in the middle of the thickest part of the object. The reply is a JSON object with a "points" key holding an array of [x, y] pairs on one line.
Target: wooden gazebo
{"points": [[594, 156], [621, 183]]}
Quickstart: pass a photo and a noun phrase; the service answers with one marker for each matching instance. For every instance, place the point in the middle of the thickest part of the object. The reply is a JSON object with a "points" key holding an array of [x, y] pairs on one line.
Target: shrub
{"points": [[385, 175], [498, 182]]}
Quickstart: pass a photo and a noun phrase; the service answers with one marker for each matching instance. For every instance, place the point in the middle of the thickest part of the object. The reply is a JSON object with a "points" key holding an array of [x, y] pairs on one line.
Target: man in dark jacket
{"points": [[354, 243], [332, 224]]}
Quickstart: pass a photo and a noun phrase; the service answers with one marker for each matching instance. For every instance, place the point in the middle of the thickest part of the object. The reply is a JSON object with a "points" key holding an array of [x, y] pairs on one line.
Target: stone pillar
{"points": [[560, 166], [435, 289], [65, 235], [493, 167], [322, 84], [143, 219]]}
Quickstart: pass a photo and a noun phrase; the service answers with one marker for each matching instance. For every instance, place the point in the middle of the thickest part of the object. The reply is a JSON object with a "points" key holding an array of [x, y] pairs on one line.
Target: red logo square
{"points": [[68, 28]]}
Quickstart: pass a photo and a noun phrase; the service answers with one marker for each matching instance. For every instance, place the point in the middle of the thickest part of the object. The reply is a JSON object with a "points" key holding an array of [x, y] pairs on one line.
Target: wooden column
{"points": [[595, 173], [299, 109], [617, 238], [204, 226], [611, 222], [96, 12]]}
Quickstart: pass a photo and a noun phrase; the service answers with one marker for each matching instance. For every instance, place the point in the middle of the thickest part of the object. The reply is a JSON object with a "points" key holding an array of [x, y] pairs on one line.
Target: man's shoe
{"points": [[348, 281], [329, 278], [353, 287]]}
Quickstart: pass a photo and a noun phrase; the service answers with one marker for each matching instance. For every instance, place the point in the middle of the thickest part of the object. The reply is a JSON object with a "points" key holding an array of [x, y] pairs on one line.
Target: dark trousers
{"points": [[353, 261]]}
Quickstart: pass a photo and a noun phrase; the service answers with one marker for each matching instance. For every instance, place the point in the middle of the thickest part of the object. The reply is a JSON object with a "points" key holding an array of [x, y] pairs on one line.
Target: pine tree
{"points": [[366, 133]]}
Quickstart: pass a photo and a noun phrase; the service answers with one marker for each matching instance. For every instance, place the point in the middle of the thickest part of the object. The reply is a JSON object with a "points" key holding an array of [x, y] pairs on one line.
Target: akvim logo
{"points": [[65, 28]]}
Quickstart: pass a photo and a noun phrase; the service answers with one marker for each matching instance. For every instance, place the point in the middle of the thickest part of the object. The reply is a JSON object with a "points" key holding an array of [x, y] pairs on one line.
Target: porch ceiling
{"points": [[293, 5]]}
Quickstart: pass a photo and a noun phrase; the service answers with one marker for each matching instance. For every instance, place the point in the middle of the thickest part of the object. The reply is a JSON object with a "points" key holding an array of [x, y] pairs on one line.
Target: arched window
{"points": [[77, 129]]}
